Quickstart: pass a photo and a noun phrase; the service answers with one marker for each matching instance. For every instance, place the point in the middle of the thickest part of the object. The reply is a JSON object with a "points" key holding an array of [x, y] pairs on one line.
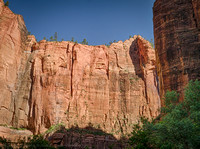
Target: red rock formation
{"points": [[77, 138], [12, 57], [78, 84], [177, 42], [47, 83], [14, 135]]}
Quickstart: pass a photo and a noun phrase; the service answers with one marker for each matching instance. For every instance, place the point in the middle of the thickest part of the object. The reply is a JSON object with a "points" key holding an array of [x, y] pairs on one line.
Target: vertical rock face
{"points": [[80, 85], [47, 83], [12, 45], [177, 41]]}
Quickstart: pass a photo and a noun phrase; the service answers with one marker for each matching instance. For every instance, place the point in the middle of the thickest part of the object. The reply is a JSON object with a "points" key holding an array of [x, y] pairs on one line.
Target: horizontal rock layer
{"points": [[177, 42]]}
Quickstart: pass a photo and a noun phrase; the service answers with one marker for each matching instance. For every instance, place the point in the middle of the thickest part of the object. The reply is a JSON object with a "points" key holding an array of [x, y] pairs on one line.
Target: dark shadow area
{"points": [[85, 138], [138, 60]]}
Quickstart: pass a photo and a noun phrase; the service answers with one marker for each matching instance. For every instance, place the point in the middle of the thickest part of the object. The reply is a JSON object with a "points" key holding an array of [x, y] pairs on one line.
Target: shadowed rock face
{"points": [[88, 137], [177, 41], [47, 83]]}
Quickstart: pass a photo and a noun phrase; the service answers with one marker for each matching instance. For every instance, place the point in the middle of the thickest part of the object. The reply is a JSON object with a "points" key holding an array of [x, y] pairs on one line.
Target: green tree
{"points": [[179, 126], [38, 142], [62, 39], [56, 36], [72, 39], [6, 3], [140, 135], [29, 33], [44, 38], [84, 42], [5, 143], [51, 38]]}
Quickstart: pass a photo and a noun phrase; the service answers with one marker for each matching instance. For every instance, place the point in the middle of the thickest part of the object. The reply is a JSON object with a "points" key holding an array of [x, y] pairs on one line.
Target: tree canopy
{"points": [[178, 128]]}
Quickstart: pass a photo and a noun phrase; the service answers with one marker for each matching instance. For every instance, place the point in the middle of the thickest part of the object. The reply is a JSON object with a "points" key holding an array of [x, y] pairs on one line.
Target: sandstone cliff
{"points": [[79, 84], [46, 83], [12, 59], [177, 42]]}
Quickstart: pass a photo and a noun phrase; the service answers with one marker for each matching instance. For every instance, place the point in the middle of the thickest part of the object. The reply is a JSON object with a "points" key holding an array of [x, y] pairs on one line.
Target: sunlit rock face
{"points": [[46, 83], [79, 84], [12, 66], [177, 42]]}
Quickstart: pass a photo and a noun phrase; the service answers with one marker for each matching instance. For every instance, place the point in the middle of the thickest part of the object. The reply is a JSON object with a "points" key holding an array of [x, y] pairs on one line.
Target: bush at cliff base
{"points": [[178, 126], [36, 142]]}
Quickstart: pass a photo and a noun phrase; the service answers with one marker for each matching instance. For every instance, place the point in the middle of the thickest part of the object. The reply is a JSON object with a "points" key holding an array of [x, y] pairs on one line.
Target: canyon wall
{"points": [[177, 43], [79, 84], [13, 37], [47, 83]]}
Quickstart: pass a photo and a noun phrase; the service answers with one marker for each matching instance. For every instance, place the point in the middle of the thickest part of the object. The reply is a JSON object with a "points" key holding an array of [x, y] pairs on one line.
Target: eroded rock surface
{"points": [[14, 135], [177, 42], [79, 84], [46, 83], [12, 62]]}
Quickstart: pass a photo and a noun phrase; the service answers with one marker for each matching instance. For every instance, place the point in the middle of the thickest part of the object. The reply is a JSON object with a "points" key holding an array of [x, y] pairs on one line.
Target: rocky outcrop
{"points": [[13, 135], [47, 83], [177, 42], [85, 138]]}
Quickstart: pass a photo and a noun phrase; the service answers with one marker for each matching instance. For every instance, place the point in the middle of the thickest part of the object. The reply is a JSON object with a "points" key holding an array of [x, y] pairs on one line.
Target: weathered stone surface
{"points": [[12, 45], [86, 138], [177, 42], [46, 83], [79, 84], [14, 135]]}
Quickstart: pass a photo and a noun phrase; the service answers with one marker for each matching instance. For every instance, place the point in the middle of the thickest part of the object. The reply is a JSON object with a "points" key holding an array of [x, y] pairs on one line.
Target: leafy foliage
{"points": [[6, 143], [51, 38], [38, 142], [72, 39], [54, 128], [84, 42], [55, 36], [179, 126], [6, 3], [139, 139]]}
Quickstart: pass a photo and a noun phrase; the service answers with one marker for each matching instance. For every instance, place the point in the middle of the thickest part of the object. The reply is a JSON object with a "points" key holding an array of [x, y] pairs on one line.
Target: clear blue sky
{"points": [[99, 21]]}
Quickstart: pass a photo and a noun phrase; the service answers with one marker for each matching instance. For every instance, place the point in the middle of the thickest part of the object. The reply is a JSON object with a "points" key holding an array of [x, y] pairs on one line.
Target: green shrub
{"points": [[84, 42], [179, 126], [6, 144], [38, 142], [6, 3]]}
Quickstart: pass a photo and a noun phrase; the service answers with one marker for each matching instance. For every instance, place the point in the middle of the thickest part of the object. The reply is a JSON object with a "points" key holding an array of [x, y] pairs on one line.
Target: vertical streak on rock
{"points": [[177, 42], [73, 56]]}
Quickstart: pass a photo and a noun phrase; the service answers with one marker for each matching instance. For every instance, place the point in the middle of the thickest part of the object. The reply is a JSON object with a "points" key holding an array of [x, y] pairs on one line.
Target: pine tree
{"points": [[72, 39], [56, 36], [7, 3], [51, 38], [84, 42]]}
